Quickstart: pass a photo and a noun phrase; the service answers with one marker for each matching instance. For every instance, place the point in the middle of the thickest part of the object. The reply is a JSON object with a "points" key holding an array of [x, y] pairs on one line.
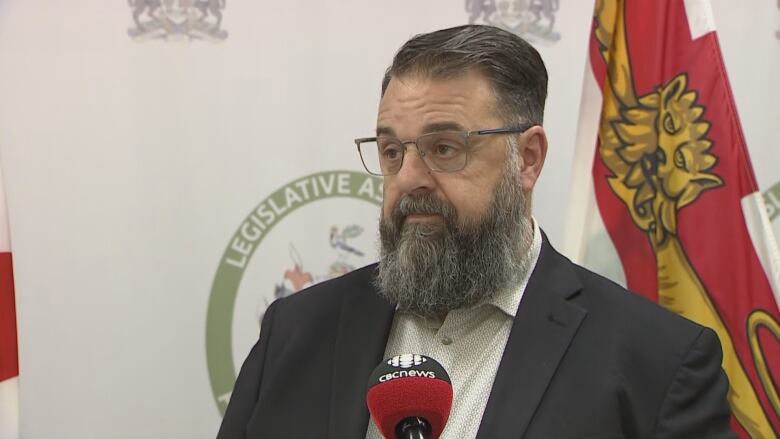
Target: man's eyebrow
{"points": [[429, 128], [385, 131], [443, 126]]}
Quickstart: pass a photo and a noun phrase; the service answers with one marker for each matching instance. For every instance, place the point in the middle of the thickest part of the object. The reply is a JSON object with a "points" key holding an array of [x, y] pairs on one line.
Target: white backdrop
{"points": [[132, 164]]}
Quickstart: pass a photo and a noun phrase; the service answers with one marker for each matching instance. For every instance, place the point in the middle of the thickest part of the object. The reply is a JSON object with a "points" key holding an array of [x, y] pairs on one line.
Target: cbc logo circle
{"points": [[406, 361]]}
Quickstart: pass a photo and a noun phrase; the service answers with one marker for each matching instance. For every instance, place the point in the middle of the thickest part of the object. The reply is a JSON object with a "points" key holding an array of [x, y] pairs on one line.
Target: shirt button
{"points": [[446, 341]]}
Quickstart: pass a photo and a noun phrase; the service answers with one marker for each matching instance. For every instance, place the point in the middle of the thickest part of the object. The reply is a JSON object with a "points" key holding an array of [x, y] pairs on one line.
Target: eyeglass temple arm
{"points": [[364, 139], [518, 129]]}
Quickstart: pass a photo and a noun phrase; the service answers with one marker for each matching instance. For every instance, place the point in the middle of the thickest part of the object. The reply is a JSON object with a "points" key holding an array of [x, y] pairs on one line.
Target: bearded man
{"points": [[536, 346]]}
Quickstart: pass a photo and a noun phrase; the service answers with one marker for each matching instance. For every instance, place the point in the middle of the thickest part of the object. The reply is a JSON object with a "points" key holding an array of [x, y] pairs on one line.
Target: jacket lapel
{"points": [[544, 326], [364, 325]]}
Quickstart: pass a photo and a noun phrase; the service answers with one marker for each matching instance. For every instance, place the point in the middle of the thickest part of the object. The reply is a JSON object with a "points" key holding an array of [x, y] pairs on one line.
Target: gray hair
{"points": [[513, 67]]}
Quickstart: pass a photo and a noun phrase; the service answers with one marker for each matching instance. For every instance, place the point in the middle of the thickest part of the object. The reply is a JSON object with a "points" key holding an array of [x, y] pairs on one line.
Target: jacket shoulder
{"points": [[608, 300]]}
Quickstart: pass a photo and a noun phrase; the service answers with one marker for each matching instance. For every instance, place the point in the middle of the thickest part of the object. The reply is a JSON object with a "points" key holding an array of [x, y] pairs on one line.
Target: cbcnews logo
{"points": [[407, 374], [407, 361]]}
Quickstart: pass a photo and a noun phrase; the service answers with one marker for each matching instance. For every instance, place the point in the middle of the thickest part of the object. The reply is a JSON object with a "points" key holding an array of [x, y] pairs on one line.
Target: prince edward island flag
{"points": [[664, 198]]}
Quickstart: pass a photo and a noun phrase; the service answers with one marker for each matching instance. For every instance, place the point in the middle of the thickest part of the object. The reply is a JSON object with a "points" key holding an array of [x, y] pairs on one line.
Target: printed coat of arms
{"points": [[177, 20], [534, 20]]}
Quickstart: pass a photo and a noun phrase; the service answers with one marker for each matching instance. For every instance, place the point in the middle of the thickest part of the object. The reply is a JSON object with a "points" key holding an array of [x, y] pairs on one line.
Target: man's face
{"points": [[450, 240], [415, 105]]}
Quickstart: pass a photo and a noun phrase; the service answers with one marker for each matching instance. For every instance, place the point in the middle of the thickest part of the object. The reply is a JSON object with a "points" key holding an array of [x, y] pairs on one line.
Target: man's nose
{"points": [[414, 175]]}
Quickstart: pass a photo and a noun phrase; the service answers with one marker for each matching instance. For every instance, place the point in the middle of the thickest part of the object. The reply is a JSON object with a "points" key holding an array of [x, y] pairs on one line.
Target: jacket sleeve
{"points": [[695, 405], [245, 391]]}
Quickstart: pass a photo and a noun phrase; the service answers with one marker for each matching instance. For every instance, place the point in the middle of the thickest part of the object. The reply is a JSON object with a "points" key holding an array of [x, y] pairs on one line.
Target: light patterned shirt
{"points": [[469, 343]]}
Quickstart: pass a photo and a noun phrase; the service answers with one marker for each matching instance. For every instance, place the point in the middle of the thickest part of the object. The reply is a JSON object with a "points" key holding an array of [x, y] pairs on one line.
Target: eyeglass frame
{"points": [[466, 134]]}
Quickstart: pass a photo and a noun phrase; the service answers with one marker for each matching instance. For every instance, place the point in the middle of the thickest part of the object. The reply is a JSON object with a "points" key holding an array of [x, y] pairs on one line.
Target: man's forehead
{"points": [[435, 104]]}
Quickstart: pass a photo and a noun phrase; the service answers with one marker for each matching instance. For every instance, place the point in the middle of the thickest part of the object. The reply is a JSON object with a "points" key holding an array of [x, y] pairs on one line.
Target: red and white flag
{"points": [[664, 198], [9, 359]]}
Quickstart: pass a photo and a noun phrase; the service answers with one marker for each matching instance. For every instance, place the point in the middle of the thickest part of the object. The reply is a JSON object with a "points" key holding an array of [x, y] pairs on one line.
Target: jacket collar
{"points": [[544, 327], [364, 325]]}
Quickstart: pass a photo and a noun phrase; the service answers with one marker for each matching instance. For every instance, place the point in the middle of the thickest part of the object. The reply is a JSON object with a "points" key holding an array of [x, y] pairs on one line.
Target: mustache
{"points": [[424, 203]]}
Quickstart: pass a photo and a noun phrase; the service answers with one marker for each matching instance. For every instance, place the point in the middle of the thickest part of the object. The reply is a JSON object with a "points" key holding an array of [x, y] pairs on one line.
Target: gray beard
{"points": [[429, 269]]}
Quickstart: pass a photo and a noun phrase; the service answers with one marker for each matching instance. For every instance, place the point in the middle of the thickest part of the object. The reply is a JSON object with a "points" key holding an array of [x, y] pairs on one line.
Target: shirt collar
{"points": [[508, 300]]}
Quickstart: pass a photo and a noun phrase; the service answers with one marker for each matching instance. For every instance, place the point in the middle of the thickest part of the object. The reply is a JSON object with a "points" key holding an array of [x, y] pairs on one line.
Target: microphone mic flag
{"points": [[410, 396]]}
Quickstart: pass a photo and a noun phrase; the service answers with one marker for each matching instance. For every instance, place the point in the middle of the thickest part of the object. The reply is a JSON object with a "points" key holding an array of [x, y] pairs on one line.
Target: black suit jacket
{"points": [[584, 359]]}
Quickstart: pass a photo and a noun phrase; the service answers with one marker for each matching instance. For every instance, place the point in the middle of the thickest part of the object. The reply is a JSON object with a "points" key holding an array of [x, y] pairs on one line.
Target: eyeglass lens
{"points": [[442, 151]]}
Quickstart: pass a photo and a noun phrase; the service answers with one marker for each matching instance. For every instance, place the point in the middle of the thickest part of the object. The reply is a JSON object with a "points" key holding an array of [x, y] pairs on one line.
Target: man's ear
{"points": [[532, 150]]}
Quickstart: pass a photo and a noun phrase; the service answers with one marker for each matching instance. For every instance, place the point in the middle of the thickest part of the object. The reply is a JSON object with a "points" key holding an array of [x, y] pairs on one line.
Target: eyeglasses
{"points": [[442, 151]]}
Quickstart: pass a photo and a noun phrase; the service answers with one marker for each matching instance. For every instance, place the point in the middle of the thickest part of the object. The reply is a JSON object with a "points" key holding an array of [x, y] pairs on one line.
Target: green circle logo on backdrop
{"points": [[333, 233]]}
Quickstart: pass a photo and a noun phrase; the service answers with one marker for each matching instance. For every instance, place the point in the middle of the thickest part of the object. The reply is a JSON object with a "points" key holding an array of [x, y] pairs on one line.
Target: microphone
{"points": [[410, 397]]}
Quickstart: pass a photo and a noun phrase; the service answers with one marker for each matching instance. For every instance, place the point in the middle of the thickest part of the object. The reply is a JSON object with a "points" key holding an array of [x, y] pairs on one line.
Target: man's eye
{"points": [[445, 150], [392, 152]]}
